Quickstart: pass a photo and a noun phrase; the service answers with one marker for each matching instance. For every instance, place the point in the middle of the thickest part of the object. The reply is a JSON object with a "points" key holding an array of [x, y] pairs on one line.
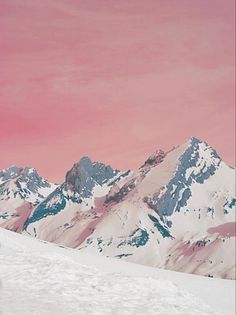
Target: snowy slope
{"points": [[21, 189], [39, 278]]}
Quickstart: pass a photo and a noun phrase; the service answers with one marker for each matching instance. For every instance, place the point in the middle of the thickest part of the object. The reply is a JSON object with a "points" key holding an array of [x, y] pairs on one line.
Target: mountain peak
{"points": [[86, 174], [14, 171], [86, 163], [23, 182], [11, 172], [203, 150], [85, 160], [18, 169], [194, 140], [197, 162]]}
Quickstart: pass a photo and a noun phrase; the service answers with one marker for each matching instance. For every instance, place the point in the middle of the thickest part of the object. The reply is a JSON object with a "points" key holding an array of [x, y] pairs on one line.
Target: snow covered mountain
{"points": [[60, 214], [59, 280], [177, 211], [21, 189], [178, 214]]}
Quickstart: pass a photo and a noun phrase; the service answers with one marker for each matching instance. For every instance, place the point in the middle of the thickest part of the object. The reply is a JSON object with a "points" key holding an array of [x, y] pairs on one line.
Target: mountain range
{"points": [[177, 211]]}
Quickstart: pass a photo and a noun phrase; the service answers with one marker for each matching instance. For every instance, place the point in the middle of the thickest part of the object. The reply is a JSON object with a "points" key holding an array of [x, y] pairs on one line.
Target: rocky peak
{"points": [[194, 140], [199, 152], [85, 174], [32, 179], [197, 163], [15, 171], [26, 177], [10, 173]]}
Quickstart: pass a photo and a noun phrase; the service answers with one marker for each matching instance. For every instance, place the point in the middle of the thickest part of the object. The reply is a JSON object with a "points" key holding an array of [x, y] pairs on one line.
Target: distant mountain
{"points": [[177, 211], [21, 189]]}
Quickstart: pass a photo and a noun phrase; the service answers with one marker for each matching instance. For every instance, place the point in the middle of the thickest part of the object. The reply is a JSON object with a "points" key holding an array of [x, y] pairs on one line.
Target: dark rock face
{"points": [[178, 190], [155, 159], [162, 228], [85, 174], [46, 207], [123, 191]]}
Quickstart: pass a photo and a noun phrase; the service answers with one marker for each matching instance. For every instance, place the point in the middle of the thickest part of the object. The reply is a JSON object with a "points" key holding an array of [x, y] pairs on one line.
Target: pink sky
{"points": [[114, 80]]}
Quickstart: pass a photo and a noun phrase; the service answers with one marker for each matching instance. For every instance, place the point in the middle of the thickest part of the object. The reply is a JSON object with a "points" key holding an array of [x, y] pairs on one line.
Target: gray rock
{"points": [[85, 174]]}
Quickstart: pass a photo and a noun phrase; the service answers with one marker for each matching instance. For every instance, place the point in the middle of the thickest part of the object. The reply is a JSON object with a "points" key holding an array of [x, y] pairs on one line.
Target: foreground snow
{"points": [[39, 278]]}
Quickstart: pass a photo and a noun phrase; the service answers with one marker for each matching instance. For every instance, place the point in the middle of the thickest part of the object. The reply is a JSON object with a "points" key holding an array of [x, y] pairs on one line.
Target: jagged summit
{"points": [[201, 149], [159, 155], [198, 143], [13, 172], [10, 172], [24, 184], [85, 160], [197, 163], [86, 174], [195, 139]]}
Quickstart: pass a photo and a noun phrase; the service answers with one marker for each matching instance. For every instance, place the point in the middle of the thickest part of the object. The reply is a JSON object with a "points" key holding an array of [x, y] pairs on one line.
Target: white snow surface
{"points": [[42, 278]]}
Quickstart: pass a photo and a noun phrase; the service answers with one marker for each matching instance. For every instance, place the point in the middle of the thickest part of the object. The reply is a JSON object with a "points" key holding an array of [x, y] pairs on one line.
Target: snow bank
{"points": [[42, 278]]}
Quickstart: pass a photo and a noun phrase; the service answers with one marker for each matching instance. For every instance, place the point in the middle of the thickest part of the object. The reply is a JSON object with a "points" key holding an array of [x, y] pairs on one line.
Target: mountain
{"points": [[177, 211], [59, 280], [67, 209], [21, 189], [178, 215]]}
